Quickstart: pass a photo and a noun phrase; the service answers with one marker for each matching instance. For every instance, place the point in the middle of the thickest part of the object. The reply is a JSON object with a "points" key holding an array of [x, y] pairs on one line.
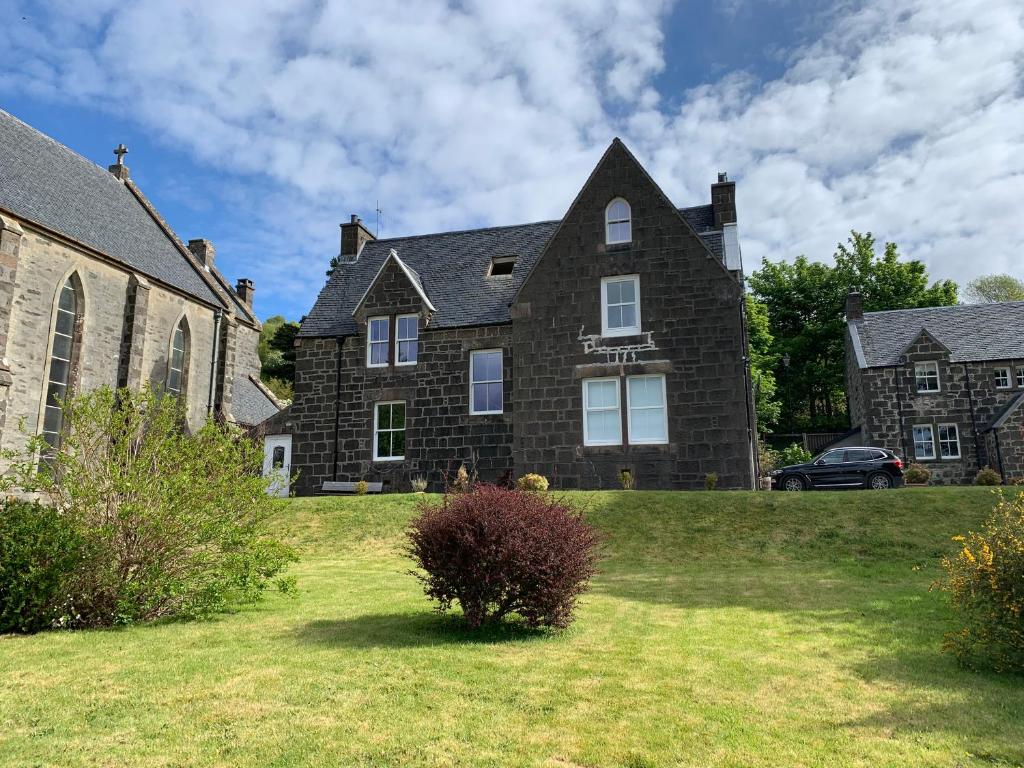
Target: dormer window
{"points": [[926, 376], [618, 222], [378, 340], [501, 265]]}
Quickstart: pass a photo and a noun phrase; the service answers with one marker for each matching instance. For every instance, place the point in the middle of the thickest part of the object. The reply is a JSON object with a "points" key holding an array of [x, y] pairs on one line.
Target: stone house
{"points": [[95, 289], [611, 340], [942, 386]]}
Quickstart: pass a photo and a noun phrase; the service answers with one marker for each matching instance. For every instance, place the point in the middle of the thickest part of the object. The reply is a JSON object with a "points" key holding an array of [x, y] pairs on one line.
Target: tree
{"points": [[806, 303], [762, 360], [277, 355], [989, 289]]}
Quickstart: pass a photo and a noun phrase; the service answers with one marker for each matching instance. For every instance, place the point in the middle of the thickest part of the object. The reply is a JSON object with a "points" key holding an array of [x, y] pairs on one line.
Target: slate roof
{"points": [[451, 268], [249, 404], [971, 332], [46, 183]]}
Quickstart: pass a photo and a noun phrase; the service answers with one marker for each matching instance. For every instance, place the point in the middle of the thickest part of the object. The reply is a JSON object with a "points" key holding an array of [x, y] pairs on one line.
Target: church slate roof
{"points": [[249, 403], [971, 332], [452, 270], [46, 183]]}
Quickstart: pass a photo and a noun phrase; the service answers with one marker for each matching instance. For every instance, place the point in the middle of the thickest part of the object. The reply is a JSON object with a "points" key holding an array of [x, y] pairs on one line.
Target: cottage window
{"points": [[58, 377], [389, 431], [949, 441], [378, 330], [924, 443], [602, 420], [1020, 377], [927, 376], [406, 339], [618, 223], [179, 355], [1002, 378], [620, 306], [647, 415], [486, 392]]}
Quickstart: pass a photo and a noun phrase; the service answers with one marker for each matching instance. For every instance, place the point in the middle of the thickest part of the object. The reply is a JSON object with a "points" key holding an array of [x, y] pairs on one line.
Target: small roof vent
{"points": [[501, 265]]}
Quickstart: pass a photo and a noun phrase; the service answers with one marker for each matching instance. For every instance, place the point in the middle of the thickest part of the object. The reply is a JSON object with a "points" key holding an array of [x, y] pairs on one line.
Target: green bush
{"points": [[917, 474], [794, 454], [532, 482], [419, 484], [987, 476], [40, 552], [362, 488], [172, 523], [985, 582], [627, 480], [710, 481], [769, 458]]}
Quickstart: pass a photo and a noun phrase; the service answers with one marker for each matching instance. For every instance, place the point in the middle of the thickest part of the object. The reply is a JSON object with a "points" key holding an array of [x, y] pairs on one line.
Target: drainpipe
{"points": [[213, 363], [898, 372], [974, 419], [748, 394], [340, 341]]}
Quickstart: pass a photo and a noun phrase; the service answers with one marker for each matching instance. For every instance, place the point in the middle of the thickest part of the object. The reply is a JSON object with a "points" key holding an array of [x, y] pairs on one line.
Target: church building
{"points": [[95, 289], [608, 343]]}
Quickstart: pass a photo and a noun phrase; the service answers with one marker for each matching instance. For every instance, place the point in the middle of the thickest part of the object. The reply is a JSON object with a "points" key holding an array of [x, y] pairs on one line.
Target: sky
{"points": [[261, 125]]}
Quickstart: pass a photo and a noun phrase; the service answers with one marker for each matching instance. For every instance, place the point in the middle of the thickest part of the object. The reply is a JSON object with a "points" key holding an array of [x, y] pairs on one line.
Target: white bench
{"points": [[337, 486]]}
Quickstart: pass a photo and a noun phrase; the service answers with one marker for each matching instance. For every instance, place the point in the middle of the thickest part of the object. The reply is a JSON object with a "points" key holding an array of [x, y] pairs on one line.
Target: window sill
{"points": [[616, 334], [392, 460]]}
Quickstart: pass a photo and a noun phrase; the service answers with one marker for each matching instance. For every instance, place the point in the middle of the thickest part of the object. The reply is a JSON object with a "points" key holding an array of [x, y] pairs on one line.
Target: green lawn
{"points": [[726, 628]]}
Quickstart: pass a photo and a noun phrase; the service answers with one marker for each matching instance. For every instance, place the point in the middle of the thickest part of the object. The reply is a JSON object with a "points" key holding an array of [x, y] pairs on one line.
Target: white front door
{"points": [[277, 462]]}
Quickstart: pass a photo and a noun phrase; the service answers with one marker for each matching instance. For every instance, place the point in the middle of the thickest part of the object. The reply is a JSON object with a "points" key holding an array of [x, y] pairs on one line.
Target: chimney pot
{"points": [[722, 176], [245, 290], [202, 250], [854, 305]]}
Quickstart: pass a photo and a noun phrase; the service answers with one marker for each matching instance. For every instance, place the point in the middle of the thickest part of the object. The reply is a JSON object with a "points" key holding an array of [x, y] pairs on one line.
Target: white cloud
{"points": [[905, 118]]}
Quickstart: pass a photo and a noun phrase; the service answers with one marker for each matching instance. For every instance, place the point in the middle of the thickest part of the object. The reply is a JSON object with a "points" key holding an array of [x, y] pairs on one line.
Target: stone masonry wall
{"points": [[691, 331], [968, 397]]}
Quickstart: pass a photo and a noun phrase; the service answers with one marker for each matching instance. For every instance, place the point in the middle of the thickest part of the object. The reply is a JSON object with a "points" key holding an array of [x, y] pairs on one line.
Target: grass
{"points": [[726, 629]]}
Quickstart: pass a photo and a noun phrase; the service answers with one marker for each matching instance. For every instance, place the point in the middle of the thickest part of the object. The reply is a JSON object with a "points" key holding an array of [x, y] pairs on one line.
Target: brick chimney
{"points": [[854, 305], [244, 288], [723, 200], [202, 250], [354, 235]]}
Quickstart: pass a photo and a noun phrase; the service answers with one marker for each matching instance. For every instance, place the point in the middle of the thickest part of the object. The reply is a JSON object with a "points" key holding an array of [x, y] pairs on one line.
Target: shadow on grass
{"points": [[409, 630]]}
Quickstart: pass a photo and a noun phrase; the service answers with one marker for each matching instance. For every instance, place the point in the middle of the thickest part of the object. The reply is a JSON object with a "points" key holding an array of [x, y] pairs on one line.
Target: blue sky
{"points": [[262, 125]]}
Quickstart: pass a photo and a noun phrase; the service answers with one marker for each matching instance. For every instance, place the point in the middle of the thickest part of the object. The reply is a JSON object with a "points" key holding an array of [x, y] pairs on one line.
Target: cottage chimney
{"points": [[854, 305], [119, 169], [244, 288], [723, 200], [202, 250], [354, 235]]}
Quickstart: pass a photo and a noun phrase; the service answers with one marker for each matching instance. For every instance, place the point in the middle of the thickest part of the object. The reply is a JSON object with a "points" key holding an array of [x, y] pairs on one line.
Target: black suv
{"points": [[874, 468]]}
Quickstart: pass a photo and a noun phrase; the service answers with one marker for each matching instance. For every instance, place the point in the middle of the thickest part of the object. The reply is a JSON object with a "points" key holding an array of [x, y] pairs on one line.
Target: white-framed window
{"points": [[486, 391], [1002, 378], [949, 441], [647, 415], [618, 225], [620, 305], [924, 442], [926, 373], [378, 332], [1020, 376], [602, 419], [407, 329], [389, 431]]}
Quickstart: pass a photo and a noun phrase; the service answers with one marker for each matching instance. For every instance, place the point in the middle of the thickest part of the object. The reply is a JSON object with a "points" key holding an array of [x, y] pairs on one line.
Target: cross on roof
{"points": [[121, 151]]}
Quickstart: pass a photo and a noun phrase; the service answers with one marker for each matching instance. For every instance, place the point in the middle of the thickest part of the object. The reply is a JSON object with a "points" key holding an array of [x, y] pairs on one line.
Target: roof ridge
{"points": [[948, 306], [465, 231]]}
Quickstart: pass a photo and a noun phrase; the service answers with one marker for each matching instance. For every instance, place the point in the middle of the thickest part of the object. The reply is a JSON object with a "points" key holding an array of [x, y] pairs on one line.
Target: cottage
{"points": [[95, 289], [611, 340], [942, 386]]}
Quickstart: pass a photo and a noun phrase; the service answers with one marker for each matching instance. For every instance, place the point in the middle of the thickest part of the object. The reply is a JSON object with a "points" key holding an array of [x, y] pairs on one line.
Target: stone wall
{"points": [[968, 397], [691, 331], [126, 332]]}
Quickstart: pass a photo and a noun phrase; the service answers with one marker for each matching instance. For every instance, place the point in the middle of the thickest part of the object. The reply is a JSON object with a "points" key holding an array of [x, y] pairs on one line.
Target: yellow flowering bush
{"points": [[985, 582], [532, 482]]}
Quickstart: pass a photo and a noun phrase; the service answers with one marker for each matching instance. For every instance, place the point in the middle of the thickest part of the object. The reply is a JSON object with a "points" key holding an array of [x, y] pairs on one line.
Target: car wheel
{"points": [[879, 482], [792, 483]]}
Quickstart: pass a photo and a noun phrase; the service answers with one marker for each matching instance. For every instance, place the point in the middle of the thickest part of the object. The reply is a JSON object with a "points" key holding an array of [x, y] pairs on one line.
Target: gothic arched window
{"points": [[177, 364], [63, 349]]}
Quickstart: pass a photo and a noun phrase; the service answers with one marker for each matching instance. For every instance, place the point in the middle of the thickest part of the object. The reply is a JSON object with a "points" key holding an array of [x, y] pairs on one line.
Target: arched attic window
{"points": [[618, 223], [65, 340], [177, 361]]}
